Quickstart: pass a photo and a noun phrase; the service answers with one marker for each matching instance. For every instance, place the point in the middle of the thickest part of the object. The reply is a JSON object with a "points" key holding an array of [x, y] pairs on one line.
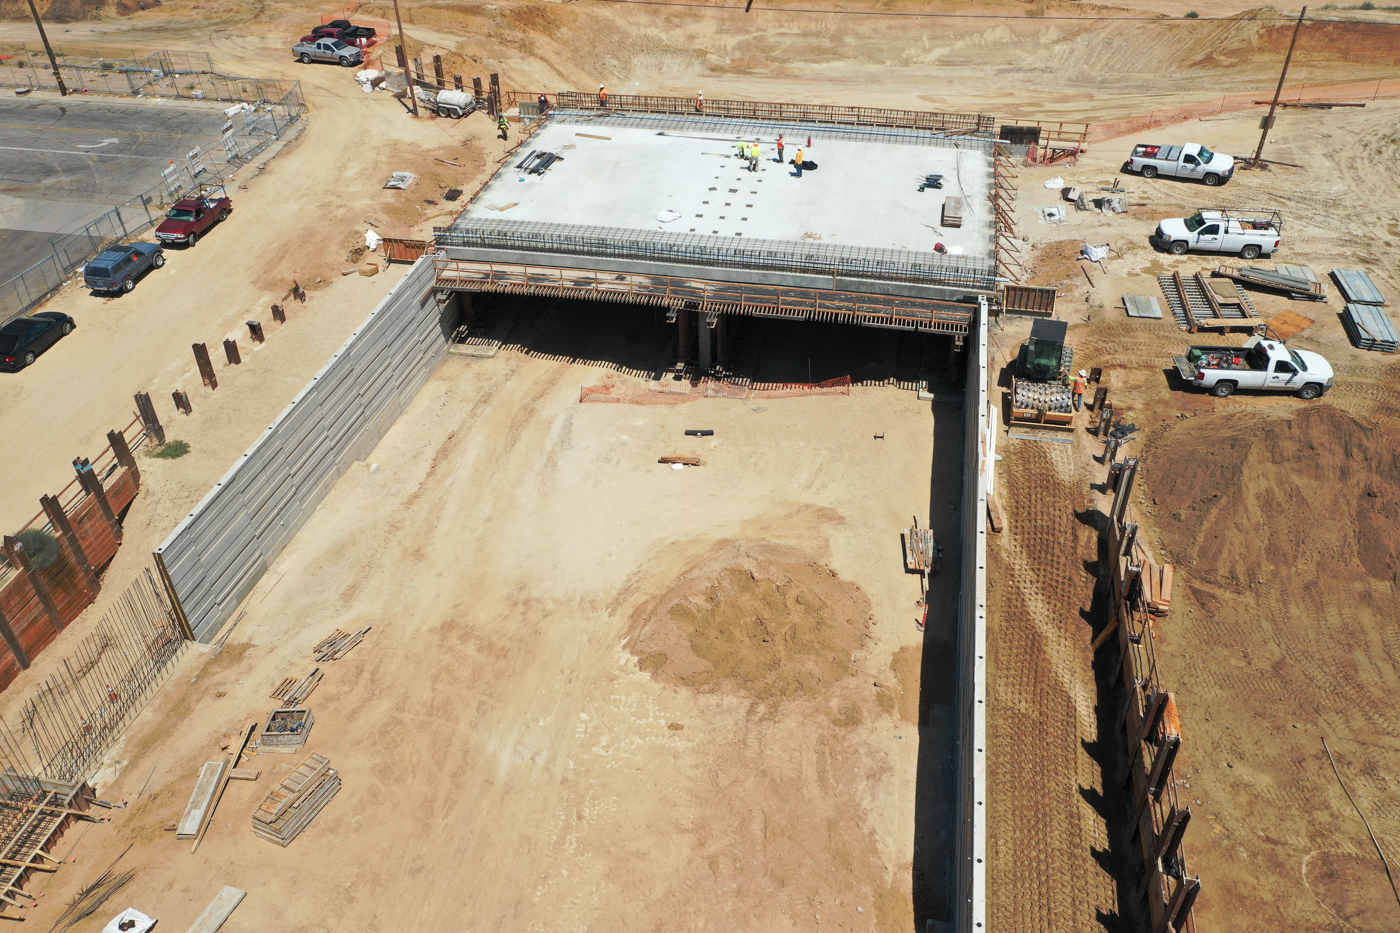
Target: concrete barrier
{"points": [[979, 461]]}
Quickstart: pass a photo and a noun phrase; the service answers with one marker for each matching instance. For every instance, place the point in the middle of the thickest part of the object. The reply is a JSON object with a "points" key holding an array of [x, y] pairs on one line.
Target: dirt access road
{"points": [[604, 694]]}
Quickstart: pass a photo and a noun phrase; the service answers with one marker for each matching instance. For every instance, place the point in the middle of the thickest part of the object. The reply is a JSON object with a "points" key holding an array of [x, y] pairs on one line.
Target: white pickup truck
{"points": [[1189, 161], [1261, 363], [1250, 233]]}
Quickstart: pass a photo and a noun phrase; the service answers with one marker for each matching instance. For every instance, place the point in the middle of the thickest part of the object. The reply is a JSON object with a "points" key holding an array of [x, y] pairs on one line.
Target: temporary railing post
{"points": [[59, 519], [19, 558]]}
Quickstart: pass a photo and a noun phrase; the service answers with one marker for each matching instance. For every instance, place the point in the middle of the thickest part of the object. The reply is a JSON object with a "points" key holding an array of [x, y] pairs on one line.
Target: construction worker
{"points": [[544, 104], [602, 95], [797, 161], [503, 126], [780, 148], [700, 102], [754, 153], [1081, 382], [743, 148]]}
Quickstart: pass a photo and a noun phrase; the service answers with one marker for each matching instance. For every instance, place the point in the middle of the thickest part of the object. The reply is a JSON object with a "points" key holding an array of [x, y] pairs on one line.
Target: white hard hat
{"points": [[1083, 373]]}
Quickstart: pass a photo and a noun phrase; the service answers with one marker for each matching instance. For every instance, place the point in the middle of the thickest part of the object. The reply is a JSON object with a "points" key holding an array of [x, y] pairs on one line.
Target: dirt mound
{"points": [[760, 622], [1244, 500]]}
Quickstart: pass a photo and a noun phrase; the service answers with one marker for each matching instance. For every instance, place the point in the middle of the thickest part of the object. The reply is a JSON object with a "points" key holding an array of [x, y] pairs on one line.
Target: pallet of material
{"points": [[1294, 283], [1357, 287], [920, 550], [1369, 327], [296, 800], [952, 212], [201, 798], [338, 644], [1200, 303]]}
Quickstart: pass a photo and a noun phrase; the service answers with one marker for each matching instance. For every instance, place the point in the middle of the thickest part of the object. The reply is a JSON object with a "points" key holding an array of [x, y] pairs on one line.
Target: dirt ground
{"points": [[554, 722], [607, 694]]}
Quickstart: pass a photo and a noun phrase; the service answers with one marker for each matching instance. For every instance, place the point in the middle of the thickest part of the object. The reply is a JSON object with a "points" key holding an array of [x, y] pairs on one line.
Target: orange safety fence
{"points": [[677, 393], [1381, 89]]}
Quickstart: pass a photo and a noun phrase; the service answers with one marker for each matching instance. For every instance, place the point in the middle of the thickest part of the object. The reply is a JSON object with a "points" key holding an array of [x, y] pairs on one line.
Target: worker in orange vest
{"points": [[1081, 382], [602, 95]]}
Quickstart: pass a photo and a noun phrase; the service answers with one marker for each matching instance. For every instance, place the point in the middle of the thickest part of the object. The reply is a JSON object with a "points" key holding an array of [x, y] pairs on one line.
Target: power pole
{"points": [[403, 54], [1269, 120], [62, 91]]}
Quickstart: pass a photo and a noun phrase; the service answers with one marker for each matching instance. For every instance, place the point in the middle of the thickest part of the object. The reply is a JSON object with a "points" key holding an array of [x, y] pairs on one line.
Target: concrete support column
{"points": [[707, 345], [722, 340], [683, 327]]}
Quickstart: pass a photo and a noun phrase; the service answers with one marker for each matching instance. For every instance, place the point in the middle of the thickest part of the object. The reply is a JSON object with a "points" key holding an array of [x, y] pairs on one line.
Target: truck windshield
{"points": [[180, 213], [1298, 360], [1194, 223], [1206, 156]]}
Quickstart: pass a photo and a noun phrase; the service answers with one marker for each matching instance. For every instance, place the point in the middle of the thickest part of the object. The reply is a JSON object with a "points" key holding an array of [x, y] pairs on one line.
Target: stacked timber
{"points": [[337, 645], [1157, 588], [294, 803]]}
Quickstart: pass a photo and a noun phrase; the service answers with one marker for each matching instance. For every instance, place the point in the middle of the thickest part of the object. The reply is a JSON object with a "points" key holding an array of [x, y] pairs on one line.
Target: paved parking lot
{"points": [[64, 163]]}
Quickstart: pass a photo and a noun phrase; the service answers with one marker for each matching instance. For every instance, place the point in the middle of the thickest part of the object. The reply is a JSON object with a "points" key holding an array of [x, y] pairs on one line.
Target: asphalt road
{"points": [[63, 163]]}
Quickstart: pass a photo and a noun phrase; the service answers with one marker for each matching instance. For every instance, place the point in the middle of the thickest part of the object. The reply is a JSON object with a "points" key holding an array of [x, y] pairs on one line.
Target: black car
{"points": [[23, 339], [118, 268]]}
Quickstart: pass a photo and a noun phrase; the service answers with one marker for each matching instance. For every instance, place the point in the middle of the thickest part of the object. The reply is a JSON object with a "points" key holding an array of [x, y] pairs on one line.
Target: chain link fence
{"points": [[272, 107]]}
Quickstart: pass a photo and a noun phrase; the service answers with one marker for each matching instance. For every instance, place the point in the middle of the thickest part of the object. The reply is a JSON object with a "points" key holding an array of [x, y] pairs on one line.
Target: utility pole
{"points": [[62, 91], [1269, 120], [403, 54]]}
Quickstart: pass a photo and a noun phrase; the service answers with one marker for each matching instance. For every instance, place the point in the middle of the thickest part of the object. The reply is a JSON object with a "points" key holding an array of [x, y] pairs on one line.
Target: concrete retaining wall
{"points": [[979, 462], [220, 551]]}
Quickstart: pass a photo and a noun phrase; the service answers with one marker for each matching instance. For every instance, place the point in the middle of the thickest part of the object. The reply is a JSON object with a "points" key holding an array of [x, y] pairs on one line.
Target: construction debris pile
{"points": [[294, 803]]}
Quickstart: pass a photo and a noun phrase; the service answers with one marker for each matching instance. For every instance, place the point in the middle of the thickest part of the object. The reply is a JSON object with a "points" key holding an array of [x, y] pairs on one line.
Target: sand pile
{"points": [[1244, 499], [760, 622]]}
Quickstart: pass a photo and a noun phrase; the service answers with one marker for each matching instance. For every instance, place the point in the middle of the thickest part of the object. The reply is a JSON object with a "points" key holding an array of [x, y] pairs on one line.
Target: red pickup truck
{"points": [[191, 217]]}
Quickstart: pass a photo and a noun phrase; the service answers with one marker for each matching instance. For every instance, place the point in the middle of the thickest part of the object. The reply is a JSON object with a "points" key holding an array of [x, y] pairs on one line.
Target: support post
{"points": [[707, 345], [255, 331], [683, 324], [122, 452], [496, 108], [149, 419], [1269, 120], [14, 550], [437, 71], [1179, 907], [182, 401], [1162, 767], [476, 89], [457, 82], [93, 486], [44, 37], [279, 314], [180, 618], [206, 368], [59, 519], [12, 640], [1173, 832], [403, 61]]}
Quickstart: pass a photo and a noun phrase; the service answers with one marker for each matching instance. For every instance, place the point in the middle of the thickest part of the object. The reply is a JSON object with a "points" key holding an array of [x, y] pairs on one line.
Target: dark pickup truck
{"points": [[117, 269], [191, 218]]}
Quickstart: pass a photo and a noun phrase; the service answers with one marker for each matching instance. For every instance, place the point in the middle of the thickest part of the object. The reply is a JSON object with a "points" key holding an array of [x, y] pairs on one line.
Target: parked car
{"points": [[361, 36], [1268, 365], [328, 50], [191, 218], [1189, 161], [1250, 233], [116, 269], [22, 340]]}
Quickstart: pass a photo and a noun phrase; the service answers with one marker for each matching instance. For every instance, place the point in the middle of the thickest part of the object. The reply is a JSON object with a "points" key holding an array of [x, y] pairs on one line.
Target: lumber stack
{"points": [[1370, 328], [338, 644], [1157, 588], [296, 800]]}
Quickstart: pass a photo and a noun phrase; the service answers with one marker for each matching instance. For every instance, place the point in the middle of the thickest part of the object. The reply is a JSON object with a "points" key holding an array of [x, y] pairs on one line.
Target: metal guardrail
{"points": [[764, 110], [727, 252]]}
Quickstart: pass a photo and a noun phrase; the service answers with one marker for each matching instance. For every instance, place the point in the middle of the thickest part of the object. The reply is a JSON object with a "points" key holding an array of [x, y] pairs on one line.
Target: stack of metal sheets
{"points": [[1369, 328]]}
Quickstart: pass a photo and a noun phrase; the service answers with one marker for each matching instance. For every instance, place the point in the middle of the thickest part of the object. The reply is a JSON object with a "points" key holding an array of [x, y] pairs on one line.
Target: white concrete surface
{"points": [[863, 193]]}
